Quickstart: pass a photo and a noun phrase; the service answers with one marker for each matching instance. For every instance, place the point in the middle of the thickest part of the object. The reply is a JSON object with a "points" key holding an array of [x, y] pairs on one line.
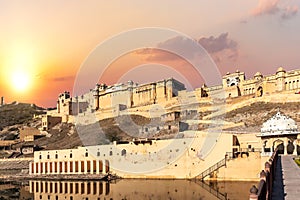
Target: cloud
{"points": [[214, 45], [266, 7], [289, 12], [218, 47], [183, 47], [156, 55], [272, 7], [174, 49], [63, 78]]}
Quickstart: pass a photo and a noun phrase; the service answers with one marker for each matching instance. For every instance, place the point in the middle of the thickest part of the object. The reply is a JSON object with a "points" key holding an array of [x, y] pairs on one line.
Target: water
{"points": [[125, 190]]}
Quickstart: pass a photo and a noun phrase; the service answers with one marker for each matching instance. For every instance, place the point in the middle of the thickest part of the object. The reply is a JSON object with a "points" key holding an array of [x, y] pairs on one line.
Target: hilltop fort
{"points": [[255, 116], [171, 96]]}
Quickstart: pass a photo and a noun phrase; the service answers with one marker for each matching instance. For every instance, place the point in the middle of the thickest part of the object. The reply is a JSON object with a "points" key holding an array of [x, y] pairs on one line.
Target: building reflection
{"points": [[55, 190], [124, 189]]}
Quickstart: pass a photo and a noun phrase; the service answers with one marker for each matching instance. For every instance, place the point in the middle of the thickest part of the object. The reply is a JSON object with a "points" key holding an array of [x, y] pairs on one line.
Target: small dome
{"points": [[280, 69], [227, 73], [279, 124], [237, 71], [257, 74]]}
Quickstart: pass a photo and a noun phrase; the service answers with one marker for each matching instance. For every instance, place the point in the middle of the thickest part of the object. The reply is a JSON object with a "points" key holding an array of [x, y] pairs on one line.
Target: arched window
{"points": [[123, 152]]}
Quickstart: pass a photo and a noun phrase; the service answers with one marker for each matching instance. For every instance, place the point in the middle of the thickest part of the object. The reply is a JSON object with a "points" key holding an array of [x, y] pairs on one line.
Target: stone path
{"points": [[291, 178]]}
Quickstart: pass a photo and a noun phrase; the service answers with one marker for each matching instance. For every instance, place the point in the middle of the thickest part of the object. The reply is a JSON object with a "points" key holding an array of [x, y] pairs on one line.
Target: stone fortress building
{"points": [[171, 96], [235, 84], [110, 101]]}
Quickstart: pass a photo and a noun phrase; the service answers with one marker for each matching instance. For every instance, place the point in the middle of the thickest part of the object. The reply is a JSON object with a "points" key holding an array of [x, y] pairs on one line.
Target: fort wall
{"points": [[243, 168], [171, 95]]}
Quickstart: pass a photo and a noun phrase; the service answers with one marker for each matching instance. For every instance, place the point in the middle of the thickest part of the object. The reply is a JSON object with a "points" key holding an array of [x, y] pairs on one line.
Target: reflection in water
{"points": [[69, 190], [125, 189]]}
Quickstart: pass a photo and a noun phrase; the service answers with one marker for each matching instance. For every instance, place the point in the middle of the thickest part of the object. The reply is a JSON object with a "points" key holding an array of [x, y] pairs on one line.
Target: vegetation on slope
{"points": [[297, 160]]}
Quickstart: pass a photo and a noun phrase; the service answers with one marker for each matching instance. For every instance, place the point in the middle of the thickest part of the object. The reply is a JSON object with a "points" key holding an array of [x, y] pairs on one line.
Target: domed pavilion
{"points": [[280, 132]]}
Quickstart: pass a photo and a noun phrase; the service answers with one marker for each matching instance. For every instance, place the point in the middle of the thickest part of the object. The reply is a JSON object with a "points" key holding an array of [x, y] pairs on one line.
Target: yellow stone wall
{"points": [[171, 95], [245, 168]]}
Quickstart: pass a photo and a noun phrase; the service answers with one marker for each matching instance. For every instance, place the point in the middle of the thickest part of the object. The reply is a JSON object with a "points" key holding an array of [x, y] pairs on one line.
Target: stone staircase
{"points": [[211, 169]]}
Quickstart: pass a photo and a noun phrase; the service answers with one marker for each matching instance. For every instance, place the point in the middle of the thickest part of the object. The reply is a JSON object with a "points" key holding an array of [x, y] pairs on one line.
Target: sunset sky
{"points": [[44, 44]]}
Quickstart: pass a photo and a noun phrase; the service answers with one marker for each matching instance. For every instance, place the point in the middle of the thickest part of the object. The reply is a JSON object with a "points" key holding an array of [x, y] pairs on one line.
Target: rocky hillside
{"points": [[255, 114], [63, 136], [18, 113]]}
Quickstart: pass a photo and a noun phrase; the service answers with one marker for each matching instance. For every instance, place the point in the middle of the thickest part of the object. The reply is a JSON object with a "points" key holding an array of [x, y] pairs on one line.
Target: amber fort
{"points": [[176, 111], [109, 101]]}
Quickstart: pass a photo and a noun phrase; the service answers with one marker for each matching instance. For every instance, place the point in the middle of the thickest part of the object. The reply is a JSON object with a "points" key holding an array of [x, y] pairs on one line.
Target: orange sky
{"points": [[50, 40]]}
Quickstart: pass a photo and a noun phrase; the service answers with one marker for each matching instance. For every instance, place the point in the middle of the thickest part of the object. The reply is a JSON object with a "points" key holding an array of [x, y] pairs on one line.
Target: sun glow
{"points": [[20, 81], [20, 67]]}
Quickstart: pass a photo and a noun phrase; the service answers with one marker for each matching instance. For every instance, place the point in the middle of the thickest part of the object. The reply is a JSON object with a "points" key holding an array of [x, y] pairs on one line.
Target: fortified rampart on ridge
{"points": [[176, 113], [110, 101]]}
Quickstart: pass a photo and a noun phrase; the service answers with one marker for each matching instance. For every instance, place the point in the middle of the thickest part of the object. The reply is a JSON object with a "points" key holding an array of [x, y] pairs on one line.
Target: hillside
{"points": [[103, 132], [247, 118], [255, 114], [18, 113]]}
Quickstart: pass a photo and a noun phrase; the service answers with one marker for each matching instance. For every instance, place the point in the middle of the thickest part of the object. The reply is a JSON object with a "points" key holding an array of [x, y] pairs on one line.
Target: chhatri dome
{"points": [[280, 69], [279, 124], [258, 74]]}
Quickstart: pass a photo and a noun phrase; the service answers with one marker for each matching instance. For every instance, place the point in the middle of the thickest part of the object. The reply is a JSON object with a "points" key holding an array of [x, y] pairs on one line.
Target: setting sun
{"points": [[20, 81]]}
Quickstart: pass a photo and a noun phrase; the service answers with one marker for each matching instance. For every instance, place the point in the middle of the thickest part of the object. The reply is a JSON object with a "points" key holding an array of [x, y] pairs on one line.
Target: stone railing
{"points": [[265, 185]]}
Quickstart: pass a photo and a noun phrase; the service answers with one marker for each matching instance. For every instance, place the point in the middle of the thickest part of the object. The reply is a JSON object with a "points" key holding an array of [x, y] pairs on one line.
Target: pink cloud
{"points": [[221, 46], [272, 7], [289, 12], [266, 7], [217, 44]]}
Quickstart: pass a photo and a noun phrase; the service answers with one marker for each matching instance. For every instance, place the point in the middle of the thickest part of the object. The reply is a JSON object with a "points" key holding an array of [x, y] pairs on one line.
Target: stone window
{"points": [[123, 152]]}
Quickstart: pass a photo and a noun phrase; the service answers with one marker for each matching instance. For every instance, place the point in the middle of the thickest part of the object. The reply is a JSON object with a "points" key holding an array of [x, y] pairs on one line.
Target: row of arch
{"points": [[290, 85], [70, 167], [289, 149], [249, 91], [283, 146], [49, 187], [295, 84]]}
